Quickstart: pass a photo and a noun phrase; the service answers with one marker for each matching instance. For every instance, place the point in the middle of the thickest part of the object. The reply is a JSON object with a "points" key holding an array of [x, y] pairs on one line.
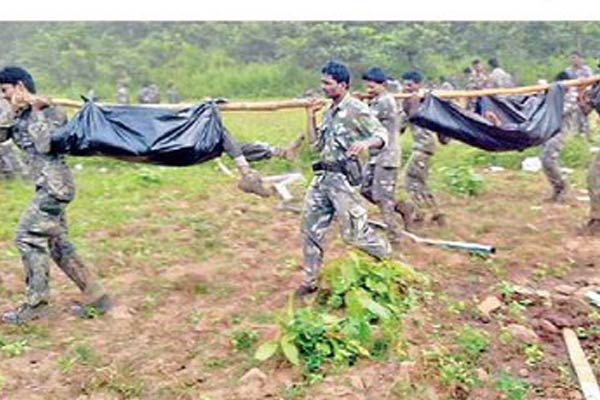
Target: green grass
{"points": [[202, 270]]}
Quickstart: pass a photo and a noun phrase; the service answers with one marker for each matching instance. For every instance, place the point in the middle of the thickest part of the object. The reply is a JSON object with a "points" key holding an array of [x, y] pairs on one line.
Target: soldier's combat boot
{"points": [[251, 182], [305, 290], [408, 212], [439, 219], [26, 313], [591, 228], [94, 308], [292, 151]]}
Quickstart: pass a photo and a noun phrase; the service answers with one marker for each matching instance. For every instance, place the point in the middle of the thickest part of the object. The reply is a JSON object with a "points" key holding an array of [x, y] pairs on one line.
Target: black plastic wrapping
{"points": [[143, 134], [527, 121]]}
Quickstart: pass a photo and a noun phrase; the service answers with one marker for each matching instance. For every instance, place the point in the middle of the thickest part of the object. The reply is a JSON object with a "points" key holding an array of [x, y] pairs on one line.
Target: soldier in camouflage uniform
{"points": [[417, 171], [477, 80], [149, 94], [42, 232], [379, 182], [553, 147], [593, 181], [123, 93], [593, 225], [348, 129], [172, 95], [578, 69]]}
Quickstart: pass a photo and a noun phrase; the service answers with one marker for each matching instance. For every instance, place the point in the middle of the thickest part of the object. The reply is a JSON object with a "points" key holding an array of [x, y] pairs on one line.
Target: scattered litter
{"points": [[594, 297], [585, 199], [535, 208], [531, 164], [78, 167], [496, 168], [567, 170], [532, 227], [103, 170], [281, 182], [224, 168], [594, 149]]}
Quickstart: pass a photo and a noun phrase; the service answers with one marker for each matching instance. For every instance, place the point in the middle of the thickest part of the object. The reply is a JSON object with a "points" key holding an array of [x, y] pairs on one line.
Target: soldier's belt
{"points": [[329, 167]]}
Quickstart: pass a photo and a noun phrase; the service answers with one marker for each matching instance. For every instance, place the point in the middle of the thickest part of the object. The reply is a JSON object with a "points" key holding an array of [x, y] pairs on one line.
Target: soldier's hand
{"points": [[358, 147], [39, 102], [315, 103]]}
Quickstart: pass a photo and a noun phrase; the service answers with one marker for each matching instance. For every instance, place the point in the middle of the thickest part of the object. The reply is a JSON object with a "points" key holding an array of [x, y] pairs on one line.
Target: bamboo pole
{"points": [[237, 106], [310, 103]]}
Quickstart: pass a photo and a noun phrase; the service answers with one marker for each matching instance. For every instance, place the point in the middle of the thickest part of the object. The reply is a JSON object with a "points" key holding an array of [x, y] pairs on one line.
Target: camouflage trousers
{"points": [[379, 187], [417, 173], [42, 234], [582, 123], [551, 162], [594, 187], [331, 195]]}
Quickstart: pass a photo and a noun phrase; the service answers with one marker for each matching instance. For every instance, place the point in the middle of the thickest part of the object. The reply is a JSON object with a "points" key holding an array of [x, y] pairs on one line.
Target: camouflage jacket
{"points": [[570, 102], [345, 123], [31, 132], [499, 78], [173, 96], [424, 140], [584, 72], [385, 109], [123, 95], [478, 81]]}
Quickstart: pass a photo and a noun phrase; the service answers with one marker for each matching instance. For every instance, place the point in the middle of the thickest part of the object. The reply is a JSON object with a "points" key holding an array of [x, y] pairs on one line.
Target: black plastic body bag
{"points": [[143, 134], [527, 121]]}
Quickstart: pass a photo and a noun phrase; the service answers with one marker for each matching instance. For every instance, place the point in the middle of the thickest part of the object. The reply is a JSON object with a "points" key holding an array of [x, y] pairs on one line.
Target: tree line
{"points": [[277, 59]]}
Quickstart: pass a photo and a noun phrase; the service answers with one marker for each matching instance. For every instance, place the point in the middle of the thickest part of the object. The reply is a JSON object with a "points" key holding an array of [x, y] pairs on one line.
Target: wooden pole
{"points": [[238, 106], [308, 103], [587, 380]]}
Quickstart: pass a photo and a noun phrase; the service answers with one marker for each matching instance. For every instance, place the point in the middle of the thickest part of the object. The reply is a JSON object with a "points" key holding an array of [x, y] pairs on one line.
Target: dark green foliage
{"points": [[276, 59]]}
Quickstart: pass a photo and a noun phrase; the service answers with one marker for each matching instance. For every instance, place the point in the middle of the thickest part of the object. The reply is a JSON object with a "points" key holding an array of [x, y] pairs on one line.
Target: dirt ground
{"points": [[169, 335]]}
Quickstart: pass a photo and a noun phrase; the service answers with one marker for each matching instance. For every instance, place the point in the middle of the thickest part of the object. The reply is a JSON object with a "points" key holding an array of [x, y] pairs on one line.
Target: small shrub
{"points": [[462, 180]]}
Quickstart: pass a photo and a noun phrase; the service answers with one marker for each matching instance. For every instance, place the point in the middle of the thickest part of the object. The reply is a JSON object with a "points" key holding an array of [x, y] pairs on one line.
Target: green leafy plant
{"points": [[357, 316], [534, 354], [457, 366], [513, 388], [462, 180], [473, 341], [15, 348], [244, 339]]}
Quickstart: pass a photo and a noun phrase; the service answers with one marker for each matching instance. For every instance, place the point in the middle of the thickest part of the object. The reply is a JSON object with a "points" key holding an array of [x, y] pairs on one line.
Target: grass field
{"points": [[201, 274]]}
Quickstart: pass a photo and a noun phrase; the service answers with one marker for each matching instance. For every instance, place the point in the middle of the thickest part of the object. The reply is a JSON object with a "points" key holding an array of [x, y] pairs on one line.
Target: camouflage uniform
{"points": [[11, 164], [149, 95], [593, 179], [476, 82], [581, 119], [594, 188], [379, 182], [417, 172], [331, 194], [42, 232], [553, 148], [499, 78], [123, 95], [173, 96]]}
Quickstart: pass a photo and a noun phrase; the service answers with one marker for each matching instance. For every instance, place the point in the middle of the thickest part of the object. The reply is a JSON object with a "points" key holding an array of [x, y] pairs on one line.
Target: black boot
{"points": [[305, 290]]}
